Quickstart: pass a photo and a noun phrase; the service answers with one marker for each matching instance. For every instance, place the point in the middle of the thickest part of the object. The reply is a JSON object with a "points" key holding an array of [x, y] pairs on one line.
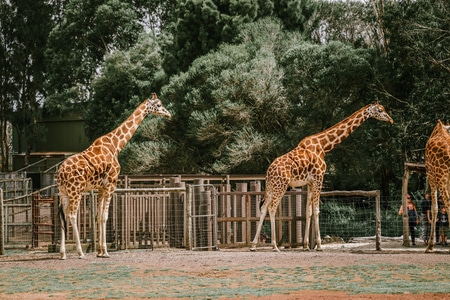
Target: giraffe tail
{"points": [[261, 203], [62, 217]]}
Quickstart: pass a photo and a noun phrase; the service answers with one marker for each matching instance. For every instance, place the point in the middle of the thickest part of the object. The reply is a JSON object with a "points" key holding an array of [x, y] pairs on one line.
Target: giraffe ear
{"points": [[377, 103], [154, 97]]}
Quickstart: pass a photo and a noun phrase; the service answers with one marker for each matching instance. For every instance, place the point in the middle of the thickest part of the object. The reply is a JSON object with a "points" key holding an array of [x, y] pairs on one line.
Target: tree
{"points": [[295, 14], [201, 26], [77, 46], [228, 110], [25, 28], [328, 83], [419, 42], [128, 77]]}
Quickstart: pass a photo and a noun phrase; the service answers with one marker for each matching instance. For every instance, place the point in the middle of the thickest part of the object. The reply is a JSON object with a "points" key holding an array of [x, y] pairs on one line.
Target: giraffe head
{"points": [[155, 107], [377, 111]]}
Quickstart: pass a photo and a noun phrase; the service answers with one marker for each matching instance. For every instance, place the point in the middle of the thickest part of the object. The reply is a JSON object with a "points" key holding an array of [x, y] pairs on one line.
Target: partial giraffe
{"points": [[98, 167], [437, 165], [305, 165]]}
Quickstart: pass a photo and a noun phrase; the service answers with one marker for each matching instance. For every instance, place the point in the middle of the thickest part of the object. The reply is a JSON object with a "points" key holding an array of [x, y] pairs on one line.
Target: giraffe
{"points": [[305, 165], [98, 167], [437, 165]]}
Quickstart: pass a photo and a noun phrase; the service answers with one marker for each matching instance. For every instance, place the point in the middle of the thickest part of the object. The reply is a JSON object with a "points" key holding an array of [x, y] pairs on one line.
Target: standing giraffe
{"points": [[437, 165], [98, 167], [305, 165]]}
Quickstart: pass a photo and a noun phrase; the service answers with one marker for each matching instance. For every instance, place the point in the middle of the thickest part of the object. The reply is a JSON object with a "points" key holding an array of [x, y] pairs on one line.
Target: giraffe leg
{"points": [[307, 225], [73, 221], [260, 224], [434, 211], [72, 216], [62, 217], [272, 212], [307, 222], [62, 248], [102, 217], [315, 217]]}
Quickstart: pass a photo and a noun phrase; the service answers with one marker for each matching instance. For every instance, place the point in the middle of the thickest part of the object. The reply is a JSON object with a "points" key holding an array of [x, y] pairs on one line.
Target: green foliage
{"points": [[89, 31], [228, 109], [201, 26], [128, 78], [25, 26], [419, 42], [328, 83], [295, 14]]}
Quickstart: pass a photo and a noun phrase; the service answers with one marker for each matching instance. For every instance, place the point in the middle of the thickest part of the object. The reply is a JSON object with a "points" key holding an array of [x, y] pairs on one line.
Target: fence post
{"points": [[299, 212], [176, 201], [377, 221], [2, 227], [406, 241], [56, 224], [188, 218], [206, 209], [255, 186], [226, 227], [239, 211], [93, 214]]}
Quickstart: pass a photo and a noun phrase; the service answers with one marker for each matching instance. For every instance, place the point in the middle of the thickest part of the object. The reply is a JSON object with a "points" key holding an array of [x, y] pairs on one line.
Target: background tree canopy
{"points": [[245, 81]]}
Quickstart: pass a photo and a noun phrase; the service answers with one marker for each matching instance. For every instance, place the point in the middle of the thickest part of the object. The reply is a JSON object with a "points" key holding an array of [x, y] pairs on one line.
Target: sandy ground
{"points": [[341, 271]]}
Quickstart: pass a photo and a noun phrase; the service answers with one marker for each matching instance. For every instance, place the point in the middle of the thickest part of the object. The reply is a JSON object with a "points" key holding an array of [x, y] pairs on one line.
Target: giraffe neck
{"points": [[329, 138], [120, 136]]}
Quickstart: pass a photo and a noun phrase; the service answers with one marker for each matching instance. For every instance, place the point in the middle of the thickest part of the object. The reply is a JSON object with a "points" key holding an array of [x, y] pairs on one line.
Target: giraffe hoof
{"points": [[429, 250], [253, 249], [103, 255], [319, 249], [81, 257], [62, 258]]}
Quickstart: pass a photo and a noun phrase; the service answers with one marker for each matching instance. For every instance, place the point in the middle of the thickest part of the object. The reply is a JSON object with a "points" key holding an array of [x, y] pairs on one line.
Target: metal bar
{"points": [[39, 161], [2, 227]]}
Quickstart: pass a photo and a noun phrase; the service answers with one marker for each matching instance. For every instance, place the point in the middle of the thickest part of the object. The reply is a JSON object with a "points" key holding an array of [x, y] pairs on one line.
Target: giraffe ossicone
{"points": [[305, 165], [437, 165], [98, 168]]}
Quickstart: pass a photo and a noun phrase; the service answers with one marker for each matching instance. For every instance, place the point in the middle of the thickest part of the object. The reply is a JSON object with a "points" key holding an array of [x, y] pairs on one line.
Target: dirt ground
{"points": [[341, 271]]}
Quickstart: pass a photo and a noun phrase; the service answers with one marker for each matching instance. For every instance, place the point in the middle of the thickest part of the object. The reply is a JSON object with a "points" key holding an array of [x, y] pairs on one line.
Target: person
{"points": [[413, 217], [443, 225], [425, 207]]}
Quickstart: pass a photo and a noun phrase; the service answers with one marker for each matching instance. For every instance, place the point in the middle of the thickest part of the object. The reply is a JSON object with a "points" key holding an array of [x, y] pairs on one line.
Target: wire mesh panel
{"points": [[144, 218], [239, 213], [17, 224], [203, 217]]}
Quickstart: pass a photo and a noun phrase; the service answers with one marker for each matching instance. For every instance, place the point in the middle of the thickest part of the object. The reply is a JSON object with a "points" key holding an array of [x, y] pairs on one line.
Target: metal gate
{"points": [[201, 217]]}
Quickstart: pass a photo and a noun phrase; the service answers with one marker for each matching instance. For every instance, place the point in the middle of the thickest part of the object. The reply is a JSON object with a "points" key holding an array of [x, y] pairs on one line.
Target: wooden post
{"points": [[188, 219], [35, 213], [176, 211], [377, 221], [406, 241], [2, 225], [226, 230], [56, 223], [299, 209], [93, 233], [240, 212], [255, 186], [206, 211]]}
